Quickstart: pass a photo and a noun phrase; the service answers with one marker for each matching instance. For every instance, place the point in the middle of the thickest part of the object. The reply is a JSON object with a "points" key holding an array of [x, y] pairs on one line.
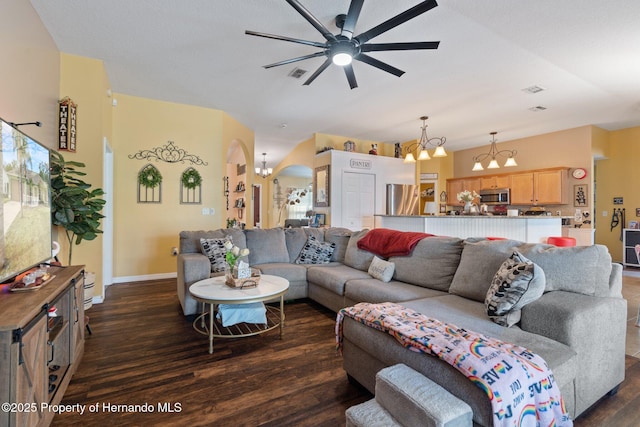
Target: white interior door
{"points": [[358, 200], [107, 221]]}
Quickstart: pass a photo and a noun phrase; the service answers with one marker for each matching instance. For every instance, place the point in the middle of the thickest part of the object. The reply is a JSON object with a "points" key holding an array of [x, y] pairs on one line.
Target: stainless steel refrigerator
{"points": [[402, 199]]}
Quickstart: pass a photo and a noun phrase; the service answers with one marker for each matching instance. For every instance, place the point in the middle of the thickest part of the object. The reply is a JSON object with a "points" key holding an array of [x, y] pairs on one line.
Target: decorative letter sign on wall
{"points": [[67, 115]]}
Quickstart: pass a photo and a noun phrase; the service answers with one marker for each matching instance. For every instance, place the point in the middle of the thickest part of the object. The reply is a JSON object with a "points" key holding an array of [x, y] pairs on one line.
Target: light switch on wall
{"points": [[605, 213]]}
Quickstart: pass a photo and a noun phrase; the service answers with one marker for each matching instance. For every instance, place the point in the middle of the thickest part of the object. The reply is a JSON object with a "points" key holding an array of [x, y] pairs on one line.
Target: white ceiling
{"points": [[585, 53]]}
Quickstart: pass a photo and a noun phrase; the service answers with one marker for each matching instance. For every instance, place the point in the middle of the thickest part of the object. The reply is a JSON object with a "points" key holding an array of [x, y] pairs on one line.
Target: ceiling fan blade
{"points": [[286, 39], [312, 19], [299, 58], [379, 64], [401, 18], [351, 76], [377, 47], [350, 21], [323, 67]]}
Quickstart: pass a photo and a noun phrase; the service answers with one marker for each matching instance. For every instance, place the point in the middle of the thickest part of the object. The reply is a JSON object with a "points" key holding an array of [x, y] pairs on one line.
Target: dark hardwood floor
{"points": [[143, 351]]}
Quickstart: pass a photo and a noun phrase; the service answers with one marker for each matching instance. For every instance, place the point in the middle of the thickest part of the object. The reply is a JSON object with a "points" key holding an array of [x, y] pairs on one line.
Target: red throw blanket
{"points": [[387, 243]]}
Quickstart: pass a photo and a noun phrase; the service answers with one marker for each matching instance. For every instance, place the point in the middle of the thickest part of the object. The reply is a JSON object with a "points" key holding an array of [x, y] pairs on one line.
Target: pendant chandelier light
{"points": [[422, 144], [264, 171], [493, 153]]}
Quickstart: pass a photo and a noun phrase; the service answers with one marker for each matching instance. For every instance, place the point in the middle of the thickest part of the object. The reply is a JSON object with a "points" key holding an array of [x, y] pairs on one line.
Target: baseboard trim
{"points": [[142, 278]]}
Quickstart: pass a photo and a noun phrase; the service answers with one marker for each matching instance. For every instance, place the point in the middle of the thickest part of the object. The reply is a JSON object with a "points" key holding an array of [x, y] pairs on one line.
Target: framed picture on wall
{"points": [[321, 187], [580, 195]]}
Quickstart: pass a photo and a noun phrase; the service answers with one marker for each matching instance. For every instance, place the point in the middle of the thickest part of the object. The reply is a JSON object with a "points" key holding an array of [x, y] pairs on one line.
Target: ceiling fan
{"points": [[344, 47]]}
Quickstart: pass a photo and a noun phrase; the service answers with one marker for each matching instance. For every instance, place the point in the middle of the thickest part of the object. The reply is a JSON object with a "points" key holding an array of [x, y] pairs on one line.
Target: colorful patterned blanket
{"points": [[519, 383]]}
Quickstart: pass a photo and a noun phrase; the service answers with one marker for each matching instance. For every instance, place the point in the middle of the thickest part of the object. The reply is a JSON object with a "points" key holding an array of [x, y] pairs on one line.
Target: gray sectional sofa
{"points": [[578, 325]]}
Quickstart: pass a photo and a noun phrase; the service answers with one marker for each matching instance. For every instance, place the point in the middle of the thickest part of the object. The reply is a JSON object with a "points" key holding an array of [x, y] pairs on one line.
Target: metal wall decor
{"points": [[149, 185], [191, 187], [67, 122], [169, 153], [225, 188]]}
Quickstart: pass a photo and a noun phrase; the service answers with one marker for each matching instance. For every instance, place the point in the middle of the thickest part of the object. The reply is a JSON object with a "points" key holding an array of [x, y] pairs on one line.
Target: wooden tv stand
{"points": [[35, 347]]}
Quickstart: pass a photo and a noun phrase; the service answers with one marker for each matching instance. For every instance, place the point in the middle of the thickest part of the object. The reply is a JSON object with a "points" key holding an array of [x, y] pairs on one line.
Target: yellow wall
{"points": [[30, 72], [617, 176], [145, 232], [362, 145], [84, 80]]}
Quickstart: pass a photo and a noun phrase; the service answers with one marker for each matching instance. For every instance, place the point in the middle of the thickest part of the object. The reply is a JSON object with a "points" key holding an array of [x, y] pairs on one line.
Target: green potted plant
{"points": [[74, 205]]}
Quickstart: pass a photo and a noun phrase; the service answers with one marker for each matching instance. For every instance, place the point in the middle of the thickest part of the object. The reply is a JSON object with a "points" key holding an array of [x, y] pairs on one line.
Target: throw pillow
{"points": [[315, 252], [518, 282], [381, 269], [215, 251]]}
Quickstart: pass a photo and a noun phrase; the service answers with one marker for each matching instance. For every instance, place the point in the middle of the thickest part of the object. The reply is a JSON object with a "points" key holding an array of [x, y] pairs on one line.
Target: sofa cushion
{"points": [[478, 264], [295, 238], [340, 236], [381, 269], [580, 269], [432, 263], [517, 283], [190, 240], [333, 278], [291, 272], [376, 291], [268, 245], [315, 252], [214, 250], [357, 258], [237, 236]]}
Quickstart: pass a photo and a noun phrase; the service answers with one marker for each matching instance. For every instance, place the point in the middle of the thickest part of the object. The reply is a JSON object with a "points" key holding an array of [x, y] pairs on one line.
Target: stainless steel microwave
{"points": [[495, 196]]}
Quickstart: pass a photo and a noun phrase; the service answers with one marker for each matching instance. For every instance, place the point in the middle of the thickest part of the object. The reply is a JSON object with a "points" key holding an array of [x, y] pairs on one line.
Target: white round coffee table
{"points": [[214, 291]]}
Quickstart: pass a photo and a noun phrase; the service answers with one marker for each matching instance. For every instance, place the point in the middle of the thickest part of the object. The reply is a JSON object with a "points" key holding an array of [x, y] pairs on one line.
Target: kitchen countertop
{"points": [[476, 216]]}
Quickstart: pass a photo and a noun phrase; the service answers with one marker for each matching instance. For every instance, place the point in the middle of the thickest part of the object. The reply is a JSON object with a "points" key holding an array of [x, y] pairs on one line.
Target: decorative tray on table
{"points": [[40, 282], [244, 283]]}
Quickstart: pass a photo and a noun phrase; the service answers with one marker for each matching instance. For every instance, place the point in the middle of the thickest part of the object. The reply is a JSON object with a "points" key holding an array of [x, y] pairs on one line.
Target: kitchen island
{"points": [[531, 229]]}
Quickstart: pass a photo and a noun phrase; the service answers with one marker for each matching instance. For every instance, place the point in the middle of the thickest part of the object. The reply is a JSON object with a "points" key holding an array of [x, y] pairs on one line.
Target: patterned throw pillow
{"points": [[518, 282], [215, 251], [315, 252], [381, 269]]}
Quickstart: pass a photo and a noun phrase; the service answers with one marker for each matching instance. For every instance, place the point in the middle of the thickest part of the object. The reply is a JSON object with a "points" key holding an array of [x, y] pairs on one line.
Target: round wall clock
{"points": [[579, 173]]}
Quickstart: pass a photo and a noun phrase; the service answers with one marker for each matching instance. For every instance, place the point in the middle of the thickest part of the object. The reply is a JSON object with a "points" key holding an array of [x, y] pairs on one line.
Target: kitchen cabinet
{"points": [[498, 181], [39, 353], [543, 187], [455, 186]]}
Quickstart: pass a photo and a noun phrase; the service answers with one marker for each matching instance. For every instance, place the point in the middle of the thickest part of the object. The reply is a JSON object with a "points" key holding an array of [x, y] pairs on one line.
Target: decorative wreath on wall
{"points": [[149, 177], [191, 179]]}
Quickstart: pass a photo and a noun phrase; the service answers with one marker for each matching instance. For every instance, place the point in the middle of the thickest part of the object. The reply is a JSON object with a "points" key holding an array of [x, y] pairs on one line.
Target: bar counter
{"points": [[531, 229]]}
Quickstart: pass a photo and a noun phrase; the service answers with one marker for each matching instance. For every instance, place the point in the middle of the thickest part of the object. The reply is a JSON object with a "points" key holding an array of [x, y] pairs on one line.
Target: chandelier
{"points": [[422, 144], [493, 153], [264, 171]]}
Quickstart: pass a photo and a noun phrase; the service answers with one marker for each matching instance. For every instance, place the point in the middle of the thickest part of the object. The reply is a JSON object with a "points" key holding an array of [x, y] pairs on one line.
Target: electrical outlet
{"points": [[174, 251]]}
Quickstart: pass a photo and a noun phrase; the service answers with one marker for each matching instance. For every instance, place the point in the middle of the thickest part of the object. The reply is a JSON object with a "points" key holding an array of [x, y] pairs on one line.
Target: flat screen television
{"points": [[25, 213]]}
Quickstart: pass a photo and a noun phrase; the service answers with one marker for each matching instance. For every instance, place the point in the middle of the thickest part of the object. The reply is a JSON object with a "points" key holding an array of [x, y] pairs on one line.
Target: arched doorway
{"points": [[235, 187]]}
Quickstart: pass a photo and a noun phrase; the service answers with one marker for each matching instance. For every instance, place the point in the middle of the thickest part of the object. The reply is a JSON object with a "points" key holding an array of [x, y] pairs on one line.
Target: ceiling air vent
{"points": [[533, 89], [537, 108], [296, 73]]}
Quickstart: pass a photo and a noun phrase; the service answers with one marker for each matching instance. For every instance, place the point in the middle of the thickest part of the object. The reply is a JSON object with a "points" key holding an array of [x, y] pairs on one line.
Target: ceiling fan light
{"points": [[440, 152], [342, 59], [409, 158], [424, 155], [493, 164], [477, 167], [510, 162]]}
